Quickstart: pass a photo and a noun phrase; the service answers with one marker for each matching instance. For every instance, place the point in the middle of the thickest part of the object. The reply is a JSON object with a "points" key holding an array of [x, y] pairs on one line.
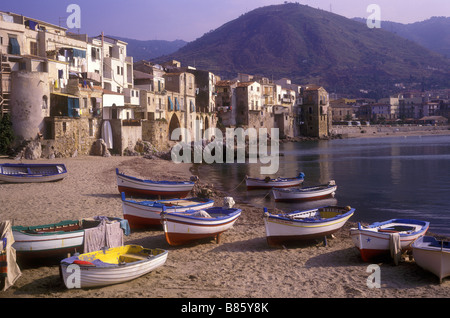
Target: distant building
{"points": [[341, 111], [315, 112], [226, 103]]}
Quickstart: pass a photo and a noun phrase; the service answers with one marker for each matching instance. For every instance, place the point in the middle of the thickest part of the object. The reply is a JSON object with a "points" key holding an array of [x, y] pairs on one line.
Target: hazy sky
{"points": [[190, 19]]}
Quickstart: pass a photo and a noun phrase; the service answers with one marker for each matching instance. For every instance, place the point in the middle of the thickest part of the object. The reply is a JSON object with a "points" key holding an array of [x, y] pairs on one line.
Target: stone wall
{"points": [[124, 136], [157, 133], [351, 131], [69, 136], [261, 119]]}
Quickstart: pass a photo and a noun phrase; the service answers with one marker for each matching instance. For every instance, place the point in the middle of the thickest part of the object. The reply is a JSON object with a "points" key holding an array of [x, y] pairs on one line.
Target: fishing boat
{"points": [[110, 266], [31, 173], [146, 213], [432, 255], [184, 227], [305, 193], [169, 189], [58, 239], [254, 183], [305, 225], [391, 237]]}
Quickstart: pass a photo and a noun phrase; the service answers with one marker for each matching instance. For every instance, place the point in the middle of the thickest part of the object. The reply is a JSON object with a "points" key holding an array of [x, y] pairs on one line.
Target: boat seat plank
{"points": [[181, 203], [135, 256]]}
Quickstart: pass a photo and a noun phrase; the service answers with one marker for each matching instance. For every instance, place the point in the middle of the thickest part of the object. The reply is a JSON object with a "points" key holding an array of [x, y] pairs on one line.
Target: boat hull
{"points": [[374, 245], [302, 195], [432, 255], [133, 186], [182, 229], [52, 240], [32, 173], [281, 229], [88, 276], [48, 244], [141, 215]]}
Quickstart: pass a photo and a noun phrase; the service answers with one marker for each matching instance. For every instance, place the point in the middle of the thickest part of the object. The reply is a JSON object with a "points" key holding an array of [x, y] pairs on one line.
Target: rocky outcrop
{"points": [[99, 148]]}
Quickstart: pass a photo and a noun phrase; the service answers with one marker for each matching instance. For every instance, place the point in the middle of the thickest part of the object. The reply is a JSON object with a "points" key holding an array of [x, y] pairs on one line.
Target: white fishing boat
{"points": [[305, 225], [57, 239], [391, 237], [280, 182], [185, 227], [146, 213], [110, 266], [169, 189], [305, 193], [432, 255], [31, 173]]}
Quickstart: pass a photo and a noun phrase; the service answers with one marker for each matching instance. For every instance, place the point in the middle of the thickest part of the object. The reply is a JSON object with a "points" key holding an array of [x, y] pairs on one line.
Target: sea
{"points": [[382, 178]]}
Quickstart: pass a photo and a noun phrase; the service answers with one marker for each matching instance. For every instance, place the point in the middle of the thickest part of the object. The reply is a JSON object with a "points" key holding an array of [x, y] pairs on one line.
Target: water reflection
{"points": [[382, 178]]}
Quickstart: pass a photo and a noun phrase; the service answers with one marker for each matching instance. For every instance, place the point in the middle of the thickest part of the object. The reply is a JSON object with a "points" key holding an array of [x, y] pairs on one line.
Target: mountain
{"points": [[310, 45], [146, 50], [433, 33]]}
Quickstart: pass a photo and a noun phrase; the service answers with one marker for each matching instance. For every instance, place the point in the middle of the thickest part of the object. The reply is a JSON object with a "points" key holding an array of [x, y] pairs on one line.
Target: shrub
{"points": [[6, 134]]}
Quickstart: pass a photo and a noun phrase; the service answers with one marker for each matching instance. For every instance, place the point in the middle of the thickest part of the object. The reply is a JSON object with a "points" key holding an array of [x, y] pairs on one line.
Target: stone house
{"points": [[341, 111], [248, 97], [315, 112], [51, 96], [183, 83], [226, 106]]}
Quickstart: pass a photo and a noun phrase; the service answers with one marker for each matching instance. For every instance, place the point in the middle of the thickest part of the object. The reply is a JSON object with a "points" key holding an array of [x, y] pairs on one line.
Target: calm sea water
{"points": [[383, 178]]}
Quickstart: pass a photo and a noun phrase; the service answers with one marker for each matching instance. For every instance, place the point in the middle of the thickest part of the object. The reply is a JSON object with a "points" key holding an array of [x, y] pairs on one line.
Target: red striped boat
{"points": [[168, 189], [253, 183], [377, 240], [185, 227], [56, 239], [305, 193], [145, 213]]}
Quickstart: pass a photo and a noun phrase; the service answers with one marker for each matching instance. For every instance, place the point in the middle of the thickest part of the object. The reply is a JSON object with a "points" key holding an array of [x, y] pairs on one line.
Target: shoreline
{"points": [[241, 266]]}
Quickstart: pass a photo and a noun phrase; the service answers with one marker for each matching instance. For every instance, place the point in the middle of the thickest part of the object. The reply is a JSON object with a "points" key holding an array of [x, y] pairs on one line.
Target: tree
{"points": [[6, 134]]}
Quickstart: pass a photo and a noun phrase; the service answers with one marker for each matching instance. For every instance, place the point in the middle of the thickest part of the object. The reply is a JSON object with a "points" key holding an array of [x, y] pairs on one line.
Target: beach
{"points": [[242, 265]]}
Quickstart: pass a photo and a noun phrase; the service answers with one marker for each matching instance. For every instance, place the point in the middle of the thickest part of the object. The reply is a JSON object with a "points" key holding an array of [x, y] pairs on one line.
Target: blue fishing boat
{"points": [[30, 173]]}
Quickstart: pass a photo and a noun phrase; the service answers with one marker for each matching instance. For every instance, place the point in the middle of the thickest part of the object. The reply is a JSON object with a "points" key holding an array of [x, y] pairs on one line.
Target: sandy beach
{"points": [[241, 266]]}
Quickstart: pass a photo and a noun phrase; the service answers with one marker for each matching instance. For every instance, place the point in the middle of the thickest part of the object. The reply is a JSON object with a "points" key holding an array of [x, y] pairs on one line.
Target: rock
{"points": [[130, 152], [99, 148], [145, 147], [33, 150]]}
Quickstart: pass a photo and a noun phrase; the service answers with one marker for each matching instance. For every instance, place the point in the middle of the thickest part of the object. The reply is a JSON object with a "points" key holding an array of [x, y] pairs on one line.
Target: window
{"points": [[44, 102], [33, 48], [14, 47]]}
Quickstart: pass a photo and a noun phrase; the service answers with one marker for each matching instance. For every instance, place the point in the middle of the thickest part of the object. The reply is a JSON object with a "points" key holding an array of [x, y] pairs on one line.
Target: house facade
{"points": [[316, 118]]}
